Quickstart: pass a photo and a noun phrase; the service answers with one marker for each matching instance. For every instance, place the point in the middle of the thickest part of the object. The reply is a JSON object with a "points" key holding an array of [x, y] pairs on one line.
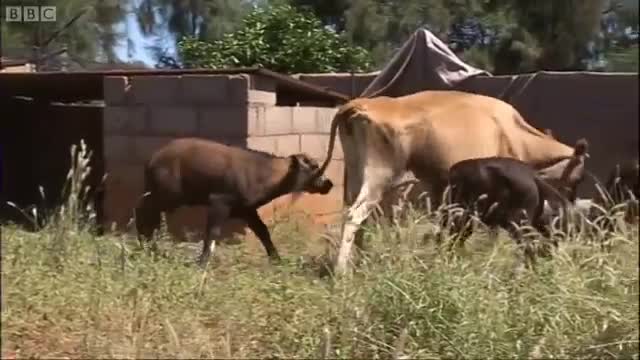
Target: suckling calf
{"points": [[505, 192]]}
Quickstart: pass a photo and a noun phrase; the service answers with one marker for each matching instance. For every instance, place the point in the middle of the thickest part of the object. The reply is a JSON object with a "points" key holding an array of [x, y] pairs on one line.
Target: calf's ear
{"points": [[295, 162]]}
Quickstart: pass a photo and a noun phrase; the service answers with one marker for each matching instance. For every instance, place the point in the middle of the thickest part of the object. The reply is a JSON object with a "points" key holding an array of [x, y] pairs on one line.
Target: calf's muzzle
{"points": [[321, 185]]}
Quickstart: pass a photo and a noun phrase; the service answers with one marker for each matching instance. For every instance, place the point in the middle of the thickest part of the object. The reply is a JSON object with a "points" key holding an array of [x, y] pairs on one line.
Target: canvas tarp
{"points": [[424, 62]]}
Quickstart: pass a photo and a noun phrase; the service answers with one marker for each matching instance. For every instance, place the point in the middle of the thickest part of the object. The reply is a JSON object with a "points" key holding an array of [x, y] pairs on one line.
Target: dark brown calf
{"points": [[503, 191], [232, 182], [514, 186]]}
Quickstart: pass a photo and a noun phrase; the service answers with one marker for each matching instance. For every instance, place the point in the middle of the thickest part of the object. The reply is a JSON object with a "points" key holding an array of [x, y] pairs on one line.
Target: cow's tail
{"points": [[345, 112]]}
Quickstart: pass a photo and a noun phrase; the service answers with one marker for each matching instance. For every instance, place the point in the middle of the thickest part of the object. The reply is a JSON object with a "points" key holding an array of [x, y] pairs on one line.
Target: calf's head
{"points": [[303, 172]]}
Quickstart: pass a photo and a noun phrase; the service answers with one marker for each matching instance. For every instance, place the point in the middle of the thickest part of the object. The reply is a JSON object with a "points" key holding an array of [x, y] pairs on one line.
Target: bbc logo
{"points": [[30, 13]]}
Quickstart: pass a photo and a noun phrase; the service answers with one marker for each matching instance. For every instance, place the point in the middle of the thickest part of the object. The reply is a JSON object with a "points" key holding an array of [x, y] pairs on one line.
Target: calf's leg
{"points": [[217, 212], [262, 232], [147, 215]]}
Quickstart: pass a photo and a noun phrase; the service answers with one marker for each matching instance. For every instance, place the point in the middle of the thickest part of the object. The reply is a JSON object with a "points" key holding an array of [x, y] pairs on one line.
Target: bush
{"points": [[279, 38], [623, 60]]}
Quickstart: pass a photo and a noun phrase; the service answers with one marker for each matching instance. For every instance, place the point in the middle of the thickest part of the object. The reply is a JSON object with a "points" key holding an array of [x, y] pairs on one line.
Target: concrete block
{"points": [[314, 145], [266, 211], [117, 148], [317, 204], [256, 120], [282, 202], [287, 144], [174, 121], [124, 120], [261, 97], [123, 187], [205, 89], [115, 90], [304, 120], [145, 146], [220, 122], [238, 89], [324, 117], [155, 90], [262, 143], [278, 120]]}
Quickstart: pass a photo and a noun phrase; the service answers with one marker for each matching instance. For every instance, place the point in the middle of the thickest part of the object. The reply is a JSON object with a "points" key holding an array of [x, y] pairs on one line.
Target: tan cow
{"points": [[426, 133]]}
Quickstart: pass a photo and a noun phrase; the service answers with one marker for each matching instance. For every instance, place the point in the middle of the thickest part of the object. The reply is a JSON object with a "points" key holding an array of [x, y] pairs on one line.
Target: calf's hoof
{"points": [[203, 261], [275, 259]]}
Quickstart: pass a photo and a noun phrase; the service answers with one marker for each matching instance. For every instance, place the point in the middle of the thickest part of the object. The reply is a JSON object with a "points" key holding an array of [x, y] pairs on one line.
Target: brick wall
{"points": [[143, 113]]}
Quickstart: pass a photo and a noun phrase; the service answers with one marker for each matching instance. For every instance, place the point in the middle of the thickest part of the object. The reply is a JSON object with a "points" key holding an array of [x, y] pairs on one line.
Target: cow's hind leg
{"points": [[262, 232], [375, 184], [217, 212]]}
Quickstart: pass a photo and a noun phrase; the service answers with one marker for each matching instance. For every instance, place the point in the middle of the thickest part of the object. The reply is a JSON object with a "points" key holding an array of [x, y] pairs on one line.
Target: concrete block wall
{"points": [[142, 113]]}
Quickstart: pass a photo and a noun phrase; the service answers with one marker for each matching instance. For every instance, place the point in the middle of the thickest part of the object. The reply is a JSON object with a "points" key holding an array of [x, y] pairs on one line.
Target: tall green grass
{"points": [[68, 293]]}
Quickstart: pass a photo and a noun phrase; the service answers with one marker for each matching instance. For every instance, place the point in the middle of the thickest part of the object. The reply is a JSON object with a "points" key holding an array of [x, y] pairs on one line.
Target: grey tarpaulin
{"points": [[424, 62]]}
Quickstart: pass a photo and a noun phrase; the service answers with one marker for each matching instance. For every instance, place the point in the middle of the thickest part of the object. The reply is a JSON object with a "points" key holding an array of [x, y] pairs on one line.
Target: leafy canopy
{"points": [[280, 38]]}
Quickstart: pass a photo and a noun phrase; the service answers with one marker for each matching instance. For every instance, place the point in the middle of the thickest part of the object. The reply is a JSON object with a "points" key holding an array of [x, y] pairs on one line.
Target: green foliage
{"points": [[558, 32], [281, 39], [516, 52], [110, 299], [382, 26], [92, 37], [479, 57], [623, 60]]}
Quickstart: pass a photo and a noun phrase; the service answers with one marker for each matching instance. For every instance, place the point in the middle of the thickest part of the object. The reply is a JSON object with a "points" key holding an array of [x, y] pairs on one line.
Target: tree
{"points": [[205, 20], [620, 37], [557, 33], [382, 26], [330, 12], [280, 38], [85, 31]]}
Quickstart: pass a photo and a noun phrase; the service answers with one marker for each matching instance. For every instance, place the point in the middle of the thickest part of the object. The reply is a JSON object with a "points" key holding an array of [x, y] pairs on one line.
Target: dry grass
{"points": [[67, 293]]}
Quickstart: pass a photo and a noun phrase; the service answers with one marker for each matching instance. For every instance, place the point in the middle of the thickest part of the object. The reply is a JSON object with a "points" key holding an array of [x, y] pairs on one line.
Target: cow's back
{"points": [[200, 166], [441, 128]]}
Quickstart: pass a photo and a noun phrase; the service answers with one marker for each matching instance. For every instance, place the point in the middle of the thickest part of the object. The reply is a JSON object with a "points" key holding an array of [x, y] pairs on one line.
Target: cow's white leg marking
{"points": [[377, 180]]}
